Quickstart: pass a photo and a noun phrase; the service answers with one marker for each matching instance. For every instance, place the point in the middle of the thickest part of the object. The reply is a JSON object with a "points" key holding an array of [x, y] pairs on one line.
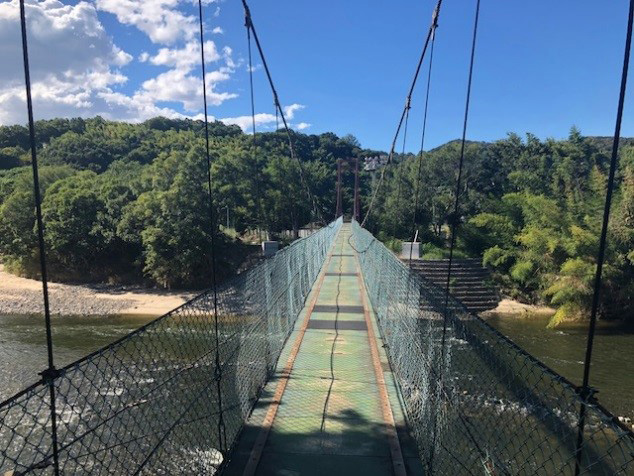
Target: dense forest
{"points": [[532, 210], [128, 202]]}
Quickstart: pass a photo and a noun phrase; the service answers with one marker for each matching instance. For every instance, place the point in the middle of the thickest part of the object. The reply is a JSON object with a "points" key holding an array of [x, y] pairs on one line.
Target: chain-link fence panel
{"points": [[479, 404], [171, 397]]}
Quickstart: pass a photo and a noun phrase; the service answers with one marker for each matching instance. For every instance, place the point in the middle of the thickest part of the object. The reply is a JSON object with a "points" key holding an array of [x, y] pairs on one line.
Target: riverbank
{"points": [[24, 296]]}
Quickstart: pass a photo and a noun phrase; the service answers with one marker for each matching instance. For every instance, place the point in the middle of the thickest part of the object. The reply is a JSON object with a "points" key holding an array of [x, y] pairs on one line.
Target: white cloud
{"points": [[185, 58], [121, 57], [180, 84], [227, 53], [265, 120], [61, 38], [71, 57], [75, 68], [289, 111], [78, 70], [217, 76], [217, 31], [160, 20], [254, 68], [137, 107], [174, 86], [245, 122], [60, 97], [177, 86]]}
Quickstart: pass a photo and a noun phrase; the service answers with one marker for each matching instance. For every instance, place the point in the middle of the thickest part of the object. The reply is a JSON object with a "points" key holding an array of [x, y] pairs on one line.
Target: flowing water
{"points": [[23, 343], [23, 350], [563, 350]]}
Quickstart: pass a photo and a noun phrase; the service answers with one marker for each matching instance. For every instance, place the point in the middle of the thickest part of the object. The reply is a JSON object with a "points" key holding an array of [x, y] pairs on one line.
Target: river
{"points": [[23, 350], [563, 350], [23, 343]]}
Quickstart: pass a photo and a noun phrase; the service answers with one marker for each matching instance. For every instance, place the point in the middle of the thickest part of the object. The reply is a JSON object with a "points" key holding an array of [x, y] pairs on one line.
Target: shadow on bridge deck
{"points": [[332, 406]]}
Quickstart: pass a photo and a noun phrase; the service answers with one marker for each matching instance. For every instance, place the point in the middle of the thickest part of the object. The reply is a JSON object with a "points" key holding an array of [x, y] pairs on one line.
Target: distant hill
{"points": [[457, 141], [603, 143]]}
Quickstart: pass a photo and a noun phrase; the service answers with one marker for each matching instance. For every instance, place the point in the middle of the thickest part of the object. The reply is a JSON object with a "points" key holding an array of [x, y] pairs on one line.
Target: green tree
{"points": [[11, 157], [173, 226], [18, 239], [70, 210]]}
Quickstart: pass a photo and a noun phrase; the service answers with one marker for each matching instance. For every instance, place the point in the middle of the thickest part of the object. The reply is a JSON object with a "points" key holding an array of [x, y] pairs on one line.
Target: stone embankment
{"points": [[470, 281]]}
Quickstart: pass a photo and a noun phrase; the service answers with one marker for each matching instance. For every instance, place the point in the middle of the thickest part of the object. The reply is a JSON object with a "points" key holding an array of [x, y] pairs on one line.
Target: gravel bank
{"points": [[24, 296]]}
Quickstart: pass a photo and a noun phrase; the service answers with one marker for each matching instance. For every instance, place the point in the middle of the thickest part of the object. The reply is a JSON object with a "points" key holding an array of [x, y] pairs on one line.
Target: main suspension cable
{"points": [[51, 373], [218, 366], [311, 197], [586, 391], [432, 28]]}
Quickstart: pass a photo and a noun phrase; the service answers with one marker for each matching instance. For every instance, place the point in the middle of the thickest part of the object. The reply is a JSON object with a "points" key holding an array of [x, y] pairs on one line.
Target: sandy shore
{"points": [[516, 308], [24, 296]]}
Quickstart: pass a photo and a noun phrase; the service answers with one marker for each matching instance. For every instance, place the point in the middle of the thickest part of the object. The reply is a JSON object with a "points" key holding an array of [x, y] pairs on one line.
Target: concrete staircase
{"points": [[470, 281]]}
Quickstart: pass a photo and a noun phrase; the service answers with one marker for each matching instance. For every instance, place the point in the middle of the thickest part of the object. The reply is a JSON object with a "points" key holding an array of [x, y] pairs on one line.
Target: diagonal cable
{"points": [[258, 187], [455, 216], [454, 219], [419, 174]]}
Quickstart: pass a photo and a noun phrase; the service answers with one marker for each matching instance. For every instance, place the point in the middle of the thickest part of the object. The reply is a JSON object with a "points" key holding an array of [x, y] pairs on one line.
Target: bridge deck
{"points": [[332, 406]]}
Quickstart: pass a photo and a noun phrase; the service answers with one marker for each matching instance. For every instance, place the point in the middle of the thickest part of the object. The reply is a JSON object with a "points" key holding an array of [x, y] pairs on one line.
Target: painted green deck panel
{"points": [[326, 426], [343, 316]]}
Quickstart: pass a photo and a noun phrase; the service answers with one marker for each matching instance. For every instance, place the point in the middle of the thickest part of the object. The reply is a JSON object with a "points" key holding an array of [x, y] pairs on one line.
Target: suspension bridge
{"points": [[332, 356], [329, 358]]}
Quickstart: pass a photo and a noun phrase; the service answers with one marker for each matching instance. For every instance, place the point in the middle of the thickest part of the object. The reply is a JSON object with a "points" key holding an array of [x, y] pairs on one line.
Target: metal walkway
{"points": [[332, 406]]}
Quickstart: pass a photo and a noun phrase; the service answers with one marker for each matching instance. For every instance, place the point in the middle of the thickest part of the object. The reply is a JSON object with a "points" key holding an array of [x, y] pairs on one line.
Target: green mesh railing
{"points": [[487, 406], [149, 403]]}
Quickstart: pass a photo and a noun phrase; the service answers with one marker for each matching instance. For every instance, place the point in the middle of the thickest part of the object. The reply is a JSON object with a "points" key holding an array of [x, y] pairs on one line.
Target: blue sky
{"points": [[541, 66]]}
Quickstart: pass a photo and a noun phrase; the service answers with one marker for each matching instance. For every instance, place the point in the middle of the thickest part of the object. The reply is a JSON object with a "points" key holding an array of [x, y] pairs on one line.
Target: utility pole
{"points": [[357, 201], [339, 204]]}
